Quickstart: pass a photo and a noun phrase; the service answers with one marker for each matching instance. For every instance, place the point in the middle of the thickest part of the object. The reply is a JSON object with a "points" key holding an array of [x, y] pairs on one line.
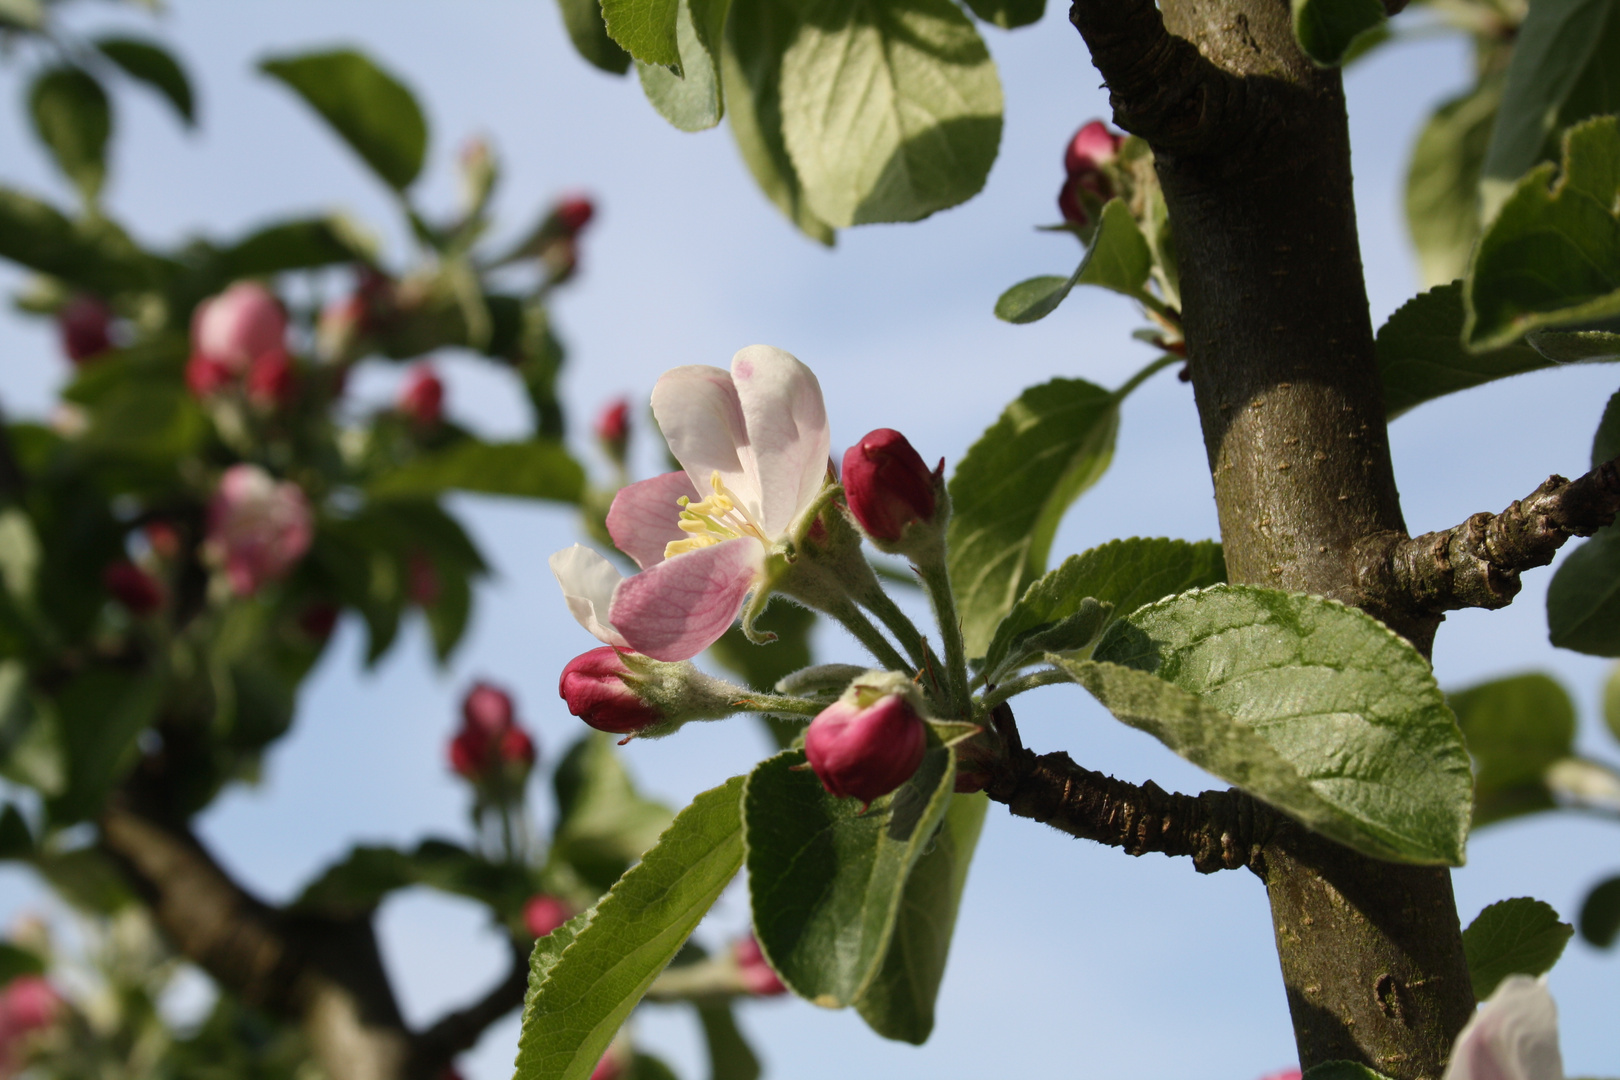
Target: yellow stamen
{"points": [[717, 518]]}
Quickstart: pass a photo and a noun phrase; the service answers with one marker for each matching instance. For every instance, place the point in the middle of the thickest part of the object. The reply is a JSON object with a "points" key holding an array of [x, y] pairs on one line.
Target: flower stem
{"points": [[779, 705], [858, 624], [900, 625], [937, 580], [1010, 689]]}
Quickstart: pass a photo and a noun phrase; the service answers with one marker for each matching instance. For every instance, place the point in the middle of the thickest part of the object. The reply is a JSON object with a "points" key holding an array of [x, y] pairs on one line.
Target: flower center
{"points": [[716, 519]]}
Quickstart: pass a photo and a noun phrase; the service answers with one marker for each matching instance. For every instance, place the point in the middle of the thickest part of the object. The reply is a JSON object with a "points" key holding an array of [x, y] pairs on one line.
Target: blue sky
{"points": [[1069, 958]]}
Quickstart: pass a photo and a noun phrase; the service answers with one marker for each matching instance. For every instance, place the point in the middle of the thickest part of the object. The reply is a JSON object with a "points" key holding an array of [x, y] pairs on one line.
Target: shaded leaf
{"points": [[539, 469], [730, 1056], [1442, 182], [1011, 489], [1124, 573], [36, 235], [1552, 254], [16, 842], [891, 110], [1513, 937], [361, 879], [1327, 29], [581, 990], [1347, 704], [153, 65], [368, 108], [1118, 259], [1515, 728], [583, 19], [15, 961], [1008, 14], [98, 715], [899, 1003], [1600, 914], [298, 244], [1575, 346], [1583, 598], [691, 100], [1611, 701], [85, 878], [73, 118], [603, 824]]}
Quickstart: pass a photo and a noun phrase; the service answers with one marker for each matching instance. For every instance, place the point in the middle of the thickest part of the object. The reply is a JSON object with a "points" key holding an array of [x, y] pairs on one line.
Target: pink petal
{"points": [[681, 606], [697, 410], [1514, 1036], [787, 431], [643, 517], [588, 581]]}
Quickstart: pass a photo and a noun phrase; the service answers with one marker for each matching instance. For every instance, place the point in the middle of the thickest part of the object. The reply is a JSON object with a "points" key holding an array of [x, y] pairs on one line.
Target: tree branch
{"points": [[1477, 563], [1219, 830], [459, 1030]]}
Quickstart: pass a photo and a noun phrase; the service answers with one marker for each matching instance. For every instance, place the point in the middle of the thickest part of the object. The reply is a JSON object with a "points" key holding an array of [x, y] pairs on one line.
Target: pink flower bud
{"points": [[271, 380], [1092, 146], [84, 322], [258, 527], [206, 376], [487, 709], [593, 686], [421, 580], [237, 326], [543, 914], [133, 587], [467, 754], [865, 745], [27, 1004], [516, 748], [887, 485], [613, 426], [611, 1067], [422, 397], [757, 977], [574, 213]]}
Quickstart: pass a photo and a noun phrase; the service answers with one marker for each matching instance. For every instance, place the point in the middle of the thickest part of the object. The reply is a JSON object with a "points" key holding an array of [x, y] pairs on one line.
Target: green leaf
{"points": [[730, 1056], [73, 119], [1515, 729], [16, 842], [891, 109], [1583, 598], [1559, 73], [580, 995], [1600, 914], [826, 880], [583, 19], [1341, 1070], [368, 108], [1442, 182], [1011, 489], [1611, 702], [899, 1003], [360, 880], [539, 469], [85, 878], [1118, 259], [645, 29], [1124, 573], [16, 961], [22, 14], [153, 65], [297, 244], [1348, 704], [1552, 254], [758, 33], [603, 824], [1421, 355], [93, 256], [1513, 937], [99, 715], [691, 100], [1327, 29], [1575, 346], [1009, 14]]}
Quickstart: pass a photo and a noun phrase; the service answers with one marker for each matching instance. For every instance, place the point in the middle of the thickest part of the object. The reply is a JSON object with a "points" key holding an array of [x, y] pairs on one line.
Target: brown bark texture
{"points": [[1252, 149]]}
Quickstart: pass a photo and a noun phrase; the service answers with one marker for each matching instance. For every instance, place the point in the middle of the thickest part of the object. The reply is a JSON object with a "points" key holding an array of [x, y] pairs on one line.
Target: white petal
{"points": [[787, 431], [588, 581], [1514, 1036], [697, 409]]}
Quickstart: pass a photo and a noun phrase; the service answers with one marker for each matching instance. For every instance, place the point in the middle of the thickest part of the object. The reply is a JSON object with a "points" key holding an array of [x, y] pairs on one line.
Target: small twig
{"points": [[1477, 563]]}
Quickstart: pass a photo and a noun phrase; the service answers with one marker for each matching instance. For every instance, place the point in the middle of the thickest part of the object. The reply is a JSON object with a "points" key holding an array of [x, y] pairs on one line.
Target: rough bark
{"points": [[1252, 149]]}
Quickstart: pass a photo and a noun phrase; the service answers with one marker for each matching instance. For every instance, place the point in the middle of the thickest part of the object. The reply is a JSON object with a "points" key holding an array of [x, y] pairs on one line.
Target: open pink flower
{"points": [[1514, 1036], [755, 440], [258, 527], [238, 326]]}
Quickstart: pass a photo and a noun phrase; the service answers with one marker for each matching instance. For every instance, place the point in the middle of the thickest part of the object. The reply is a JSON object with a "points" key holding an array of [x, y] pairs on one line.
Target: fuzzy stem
{"points": [[900, 625], [937, 580], [783, 705], [1013, 687], [858, 624]]}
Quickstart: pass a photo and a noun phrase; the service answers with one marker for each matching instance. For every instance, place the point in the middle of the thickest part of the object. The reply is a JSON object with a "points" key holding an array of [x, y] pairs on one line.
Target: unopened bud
{"points": [[487, 708], [887, 485], [272, 381], [133, 587], [593, 684], [490, 744], [421, 399], [478, 173], [239, 325], [85, 323], [1086, 185], [516, 748], [613, 429], [206, 376], [1091, 147], [543, 913], [625, 693], [870, 741], [28, 1003], [757, 977], [574, 213], [163, 538]]}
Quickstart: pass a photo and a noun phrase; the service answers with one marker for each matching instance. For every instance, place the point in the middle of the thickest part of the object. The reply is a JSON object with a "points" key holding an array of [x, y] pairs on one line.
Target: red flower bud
{"points": [[28, 1003], [84, 322], [206, 376], [133, 587], [543, 914], [271, 379], [613, 426], [517, 748], [421, 580], [319, 619], [422, 397], [467, 753], [487, 709], [864, 751], [1092, 146], [574, 213], [611, 1067], [757, 977], [593, 686], [163, 538], [887, 485]]}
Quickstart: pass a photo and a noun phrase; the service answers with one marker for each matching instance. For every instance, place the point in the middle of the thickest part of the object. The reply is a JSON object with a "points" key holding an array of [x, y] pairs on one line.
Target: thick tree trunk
{"points": [[1252, 147]]}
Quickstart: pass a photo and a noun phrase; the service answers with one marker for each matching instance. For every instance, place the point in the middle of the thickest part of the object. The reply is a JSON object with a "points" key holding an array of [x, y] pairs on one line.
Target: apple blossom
{"points": [[756, 438], [258, 527], [1513, 1036], [238, 326], [870, 741]]}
